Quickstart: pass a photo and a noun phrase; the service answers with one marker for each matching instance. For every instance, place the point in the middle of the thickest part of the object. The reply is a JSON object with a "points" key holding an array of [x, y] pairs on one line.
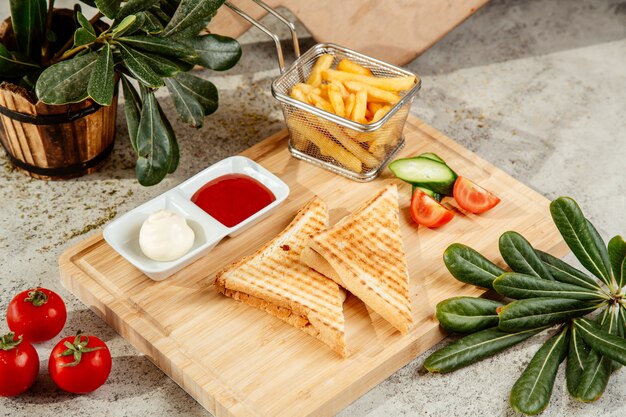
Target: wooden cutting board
{"points": [[394, 31], [238, 361]]}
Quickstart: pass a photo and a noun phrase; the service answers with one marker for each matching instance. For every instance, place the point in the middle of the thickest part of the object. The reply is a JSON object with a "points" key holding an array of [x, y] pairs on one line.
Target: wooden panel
{"points": [[236, 360], [395, 31]]}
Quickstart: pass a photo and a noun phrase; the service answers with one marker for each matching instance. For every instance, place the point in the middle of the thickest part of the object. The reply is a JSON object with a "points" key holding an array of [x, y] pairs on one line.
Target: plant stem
{"points": [[45, 46], [95, 18], [68, 53], [65, 51]]}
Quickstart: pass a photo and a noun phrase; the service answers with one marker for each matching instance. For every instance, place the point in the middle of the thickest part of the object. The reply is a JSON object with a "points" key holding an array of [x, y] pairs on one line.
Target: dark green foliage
{"points": [[531, 392], [549, 292], [581, 237], [152, 41], [467, 314], [518, 253], [474, 347], [519, 286], [469, 266]]}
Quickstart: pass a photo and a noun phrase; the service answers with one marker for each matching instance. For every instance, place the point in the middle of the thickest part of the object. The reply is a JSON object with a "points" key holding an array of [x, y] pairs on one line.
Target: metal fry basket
{"points": [[355, 150]]}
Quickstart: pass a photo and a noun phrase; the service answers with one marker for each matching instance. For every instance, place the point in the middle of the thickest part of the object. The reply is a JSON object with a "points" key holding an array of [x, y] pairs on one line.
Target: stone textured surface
{"points": [[536, 87]]}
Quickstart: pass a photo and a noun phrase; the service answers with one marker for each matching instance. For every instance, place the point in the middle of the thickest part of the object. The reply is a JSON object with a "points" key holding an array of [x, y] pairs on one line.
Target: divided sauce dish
{"points": [[123, 233]]}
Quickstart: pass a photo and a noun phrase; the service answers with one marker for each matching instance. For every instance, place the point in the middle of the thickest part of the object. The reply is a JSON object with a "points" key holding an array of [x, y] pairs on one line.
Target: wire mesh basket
{"points": [[359, 151]]}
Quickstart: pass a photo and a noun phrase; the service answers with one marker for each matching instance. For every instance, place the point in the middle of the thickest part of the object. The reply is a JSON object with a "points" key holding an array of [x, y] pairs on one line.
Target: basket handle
{"points": [[264, 29]]}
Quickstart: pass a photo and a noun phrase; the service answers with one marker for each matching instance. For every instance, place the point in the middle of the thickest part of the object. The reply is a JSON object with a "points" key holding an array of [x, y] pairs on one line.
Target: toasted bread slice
{"points": [[365, 252], [275, 280], [316, 261]]}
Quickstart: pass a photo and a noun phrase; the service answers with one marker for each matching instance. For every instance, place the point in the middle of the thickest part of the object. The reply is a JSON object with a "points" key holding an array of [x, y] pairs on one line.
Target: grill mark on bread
{"points": [[295, 293], [365, 248]]}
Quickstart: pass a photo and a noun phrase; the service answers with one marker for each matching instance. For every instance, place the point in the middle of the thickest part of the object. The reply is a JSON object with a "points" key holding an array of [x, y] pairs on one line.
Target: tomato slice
{"points": [[426, 211], [472, 197]]}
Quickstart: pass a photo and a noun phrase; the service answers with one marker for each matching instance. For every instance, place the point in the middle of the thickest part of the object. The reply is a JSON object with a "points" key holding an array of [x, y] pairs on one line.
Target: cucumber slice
{"points": [[429, 192], [433, 156], [426, 173]]}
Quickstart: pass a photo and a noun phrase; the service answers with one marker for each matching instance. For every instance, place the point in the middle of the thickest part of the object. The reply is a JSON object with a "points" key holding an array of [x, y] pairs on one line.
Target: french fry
{"points": [[298, 118], [344, 93], [360, 105], [380, 113], [323, 62], [305, 88], [298, 95], [327, 147], [374, 94], [348, 66], [320, 102], [373, 106], [343, 137], [349, 105], [336, 100], [390, 84], [368, 114]]}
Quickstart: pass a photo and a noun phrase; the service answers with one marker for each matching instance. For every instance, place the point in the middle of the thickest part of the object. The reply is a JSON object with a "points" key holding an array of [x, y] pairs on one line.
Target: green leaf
{"points": [[163, 67], [101, 86], [175, 154], [191, 16], [613, 347], [134, 6], [581, 238], [11, 66], [473, 348], [153, 143], [216, 52], [28, 19], [162, 46], [109, 8], [84, 23], [576, 357], [129, 24], [132, 110], [538, 312], [594, 378], [617, 256], [159, 14], [66, 81], [518, 253], [622, 317], [151, 25], [188, 108], [83, 37], [139, 67], [520, 286], [203, 91], [597, 368], [532, 391], [469, 266], [467, 314], [564, 272]]}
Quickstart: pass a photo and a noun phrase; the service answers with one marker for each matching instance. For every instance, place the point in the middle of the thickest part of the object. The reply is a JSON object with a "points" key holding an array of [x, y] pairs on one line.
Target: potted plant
{"points": [[60, 72]]}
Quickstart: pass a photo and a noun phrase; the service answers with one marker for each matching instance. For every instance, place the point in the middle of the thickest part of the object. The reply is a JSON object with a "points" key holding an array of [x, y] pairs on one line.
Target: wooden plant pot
{"points": [[53, 142]]}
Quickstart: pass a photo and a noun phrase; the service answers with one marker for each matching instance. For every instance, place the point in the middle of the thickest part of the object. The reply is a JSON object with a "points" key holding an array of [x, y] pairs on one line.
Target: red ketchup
{"points": [[232, 198]]}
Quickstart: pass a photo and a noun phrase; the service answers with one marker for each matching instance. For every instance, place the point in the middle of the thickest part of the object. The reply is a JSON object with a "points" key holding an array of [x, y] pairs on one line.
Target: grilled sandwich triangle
{"points": [[365, 255], [275, 280]]}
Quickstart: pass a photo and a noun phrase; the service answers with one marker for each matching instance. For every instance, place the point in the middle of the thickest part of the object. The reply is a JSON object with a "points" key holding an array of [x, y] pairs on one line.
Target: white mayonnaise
{"points": [[165, 236]]}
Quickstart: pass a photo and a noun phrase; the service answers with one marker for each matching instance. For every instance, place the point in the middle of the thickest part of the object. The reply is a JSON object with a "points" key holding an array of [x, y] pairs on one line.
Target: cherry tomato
{"points": [[37, 314], [426, 211], [19, 365], [80, 364], [472, 197]]}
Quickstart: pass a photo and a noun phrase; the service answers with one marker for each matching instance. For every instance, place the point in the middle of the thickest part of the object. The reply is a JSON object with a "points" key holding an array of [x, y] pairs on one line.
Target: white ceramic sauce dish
{"points": [[122, 234]]}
